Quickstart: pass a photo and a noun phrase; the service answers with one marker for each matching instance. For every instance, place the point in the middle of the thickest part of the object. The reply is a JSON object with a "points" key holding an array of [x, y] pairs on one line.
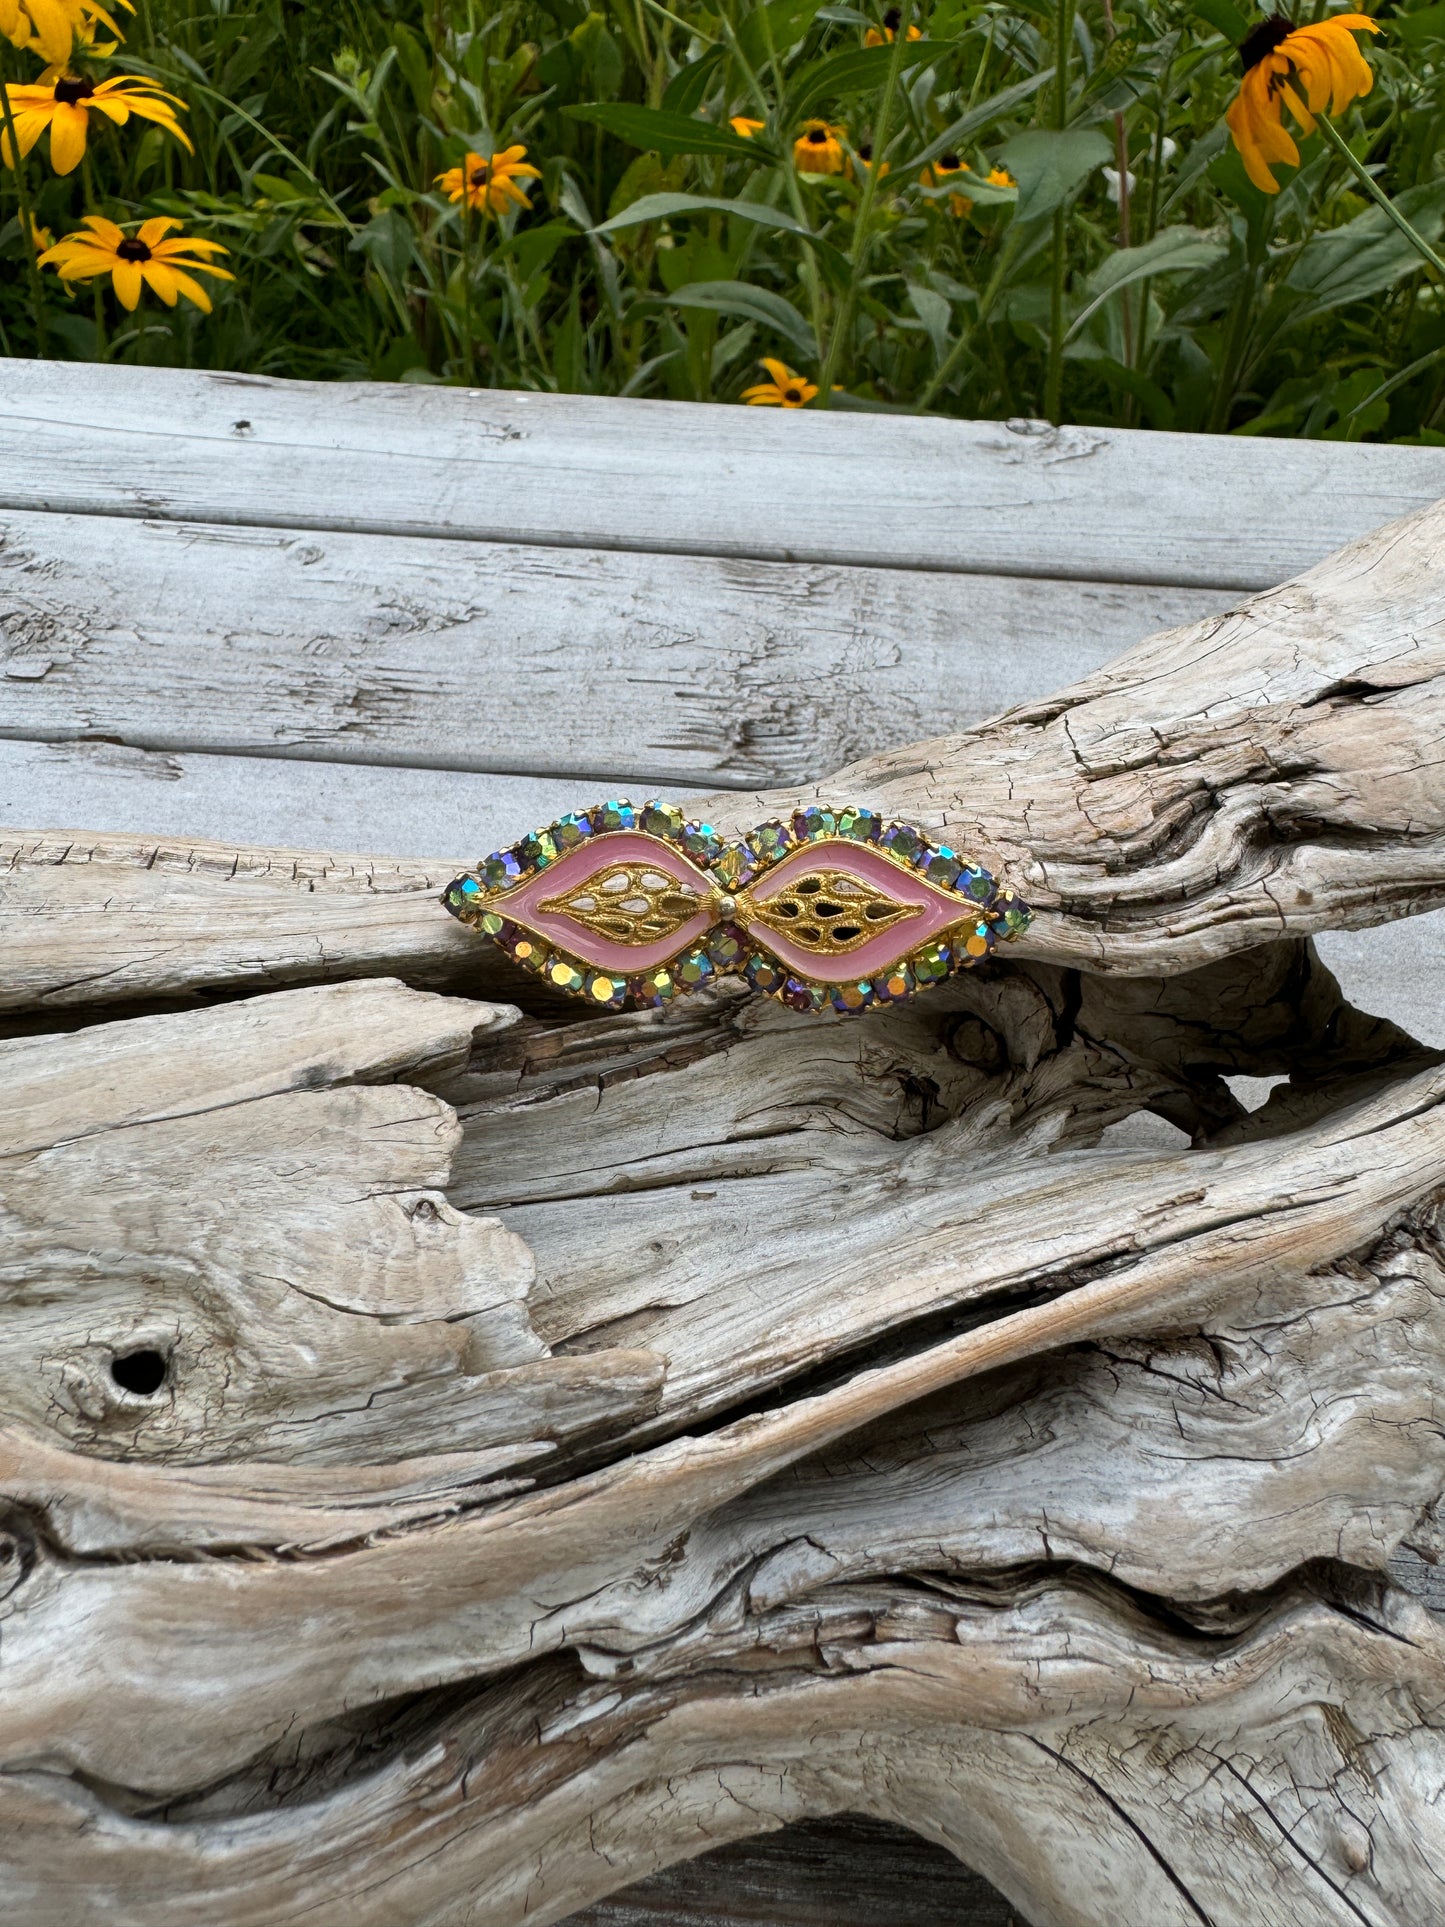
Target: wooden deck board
{"points": [[883, 491], [591, 664]]}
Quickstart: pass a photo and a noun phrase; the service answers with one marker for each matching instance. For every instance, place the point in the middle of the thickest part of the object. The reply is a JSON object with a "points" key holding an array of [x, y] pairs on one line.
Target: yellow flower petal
{"points": [[126, 280], [67, 137]]}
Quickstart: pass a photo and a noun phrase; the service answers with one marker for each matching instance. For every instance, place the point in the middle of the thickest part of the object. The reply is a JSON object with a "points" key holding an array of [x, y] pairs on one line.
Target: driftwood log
{"points": [[459, 1458]]}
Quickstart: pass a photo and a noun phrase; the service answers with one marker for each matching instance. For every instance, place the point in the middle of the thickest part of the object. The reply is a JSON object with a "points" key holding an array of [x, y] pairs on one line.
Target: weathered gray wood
{"points": [[893, 1446], [490, 656], [579, 471], [274, 802], [1267, 772]]}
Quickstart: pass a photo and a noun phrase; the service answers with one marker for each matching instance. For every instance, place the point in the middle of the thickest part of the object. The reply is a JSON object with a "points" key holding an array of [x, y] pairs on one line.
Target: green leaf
{"points": [[1416, 28], [977, 118], [1366, 255], [785, 21], [688, 87], [749, 304], [1225, 18], [935, 314], [1051, 165], [662, 207], [860, 70], [657, 131], [1174, 250], [389, 241]]}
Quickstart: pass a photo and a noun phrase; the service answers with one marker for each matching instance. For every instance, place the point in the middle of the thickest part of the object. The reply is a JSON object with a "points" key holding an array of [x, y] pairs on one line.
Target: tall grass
{"points": [[1132, 275]]}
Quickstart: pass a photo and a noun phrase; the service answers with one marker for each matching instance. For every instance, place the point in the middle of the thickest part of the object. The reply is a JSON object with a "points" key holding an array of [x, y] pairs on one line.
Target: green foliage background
{"points": [[663, 254]]}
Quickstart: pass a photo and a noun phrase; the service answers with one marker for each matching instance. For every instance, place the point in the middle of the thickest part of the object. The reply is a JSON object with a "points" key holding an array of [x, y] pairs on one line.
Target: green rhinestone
{"points": [[943, 868], [724, 946], [661, 819], [932, 963], [501, 871], [810, 824], [569, 832], [536, 851], [490, 924], [904, 842], [861, 825], [702, 841], [614, 816]]}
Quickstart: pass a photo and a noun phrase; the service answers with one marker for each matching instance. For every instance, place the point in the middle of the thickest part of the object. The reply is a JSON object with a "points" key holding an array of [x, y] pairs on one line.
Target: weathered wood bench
{"points": [[237, 614]]}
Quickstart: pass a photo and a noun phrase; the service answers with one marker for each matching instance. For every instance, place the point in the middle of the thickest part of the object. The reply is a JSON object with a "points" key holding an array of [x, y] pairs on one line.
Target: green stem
{"points": [[1372, 187], [22, 189], [953, 361], [863, 220], [808, 267], [1054, 376]]}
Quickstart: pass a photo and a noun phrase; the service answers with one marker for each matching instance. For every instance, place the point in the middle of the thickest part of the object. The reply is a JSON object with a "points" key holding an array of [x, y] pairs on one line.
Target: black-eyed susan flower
{"points": [[64, 104], [863, 161], [819, 148], [959, 205], [782, 389], [153, 258], [488, 182], [51, 27], [888, 33], [1306, 69], [740, 124]]}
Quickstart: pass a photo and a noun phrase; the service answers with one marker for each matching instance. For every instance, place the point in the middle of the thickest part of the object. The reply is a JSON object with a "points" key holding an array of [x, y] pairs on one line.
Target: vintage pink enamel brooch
{"points": [[624, 905]]}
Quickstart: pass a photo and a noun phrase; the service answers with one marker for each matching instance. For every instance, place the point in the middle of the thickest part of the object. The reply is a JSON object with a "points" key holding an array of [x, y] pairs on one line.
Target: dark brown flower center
{"points": [[73, 87], [1262, 39], [792, 394], [865, 152], [818, 136], [950, 163], [892, 18], [479, 175], [132, 248]]}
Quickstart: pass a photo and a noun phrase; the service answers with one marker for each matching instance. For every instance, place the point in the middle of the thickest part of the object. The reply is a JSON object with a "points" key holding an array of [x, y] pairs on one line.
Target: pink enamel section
{"points": [[599, 853], [937, 911]]}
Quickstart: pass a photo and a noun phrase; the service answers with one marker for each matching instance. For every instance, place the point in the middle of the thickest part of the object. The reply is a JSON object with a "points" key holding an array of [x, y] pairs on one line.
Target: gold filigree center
{"points": [[630, 902], [830, 912]]}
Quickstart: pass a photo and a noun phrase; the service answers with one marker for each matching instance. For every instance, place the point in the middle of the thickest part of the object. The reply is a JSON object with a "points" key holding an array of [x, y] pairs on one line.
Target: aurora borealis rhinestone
{"points": [[860, 826], [608, 817], [500, 871], [769, 841], [830, 909], [701, 842], [536, 851], [661, 819], [903, 841], [568, 832], [814, 822]]}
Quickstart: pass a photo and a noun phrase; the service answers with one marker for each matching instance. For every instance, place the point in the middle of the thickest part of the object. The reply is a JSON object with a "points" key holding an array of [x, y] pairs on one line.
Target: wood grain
{"points": [[574, 662], [588, 472]]}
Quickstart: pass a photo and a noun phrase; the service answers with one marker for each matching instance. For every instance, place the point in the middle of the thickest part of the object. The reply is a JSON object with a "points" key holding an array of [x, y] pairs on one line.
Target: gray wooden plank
{"points": [[275, 803], [847, 1872], [886, 490], [601, 666]]}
